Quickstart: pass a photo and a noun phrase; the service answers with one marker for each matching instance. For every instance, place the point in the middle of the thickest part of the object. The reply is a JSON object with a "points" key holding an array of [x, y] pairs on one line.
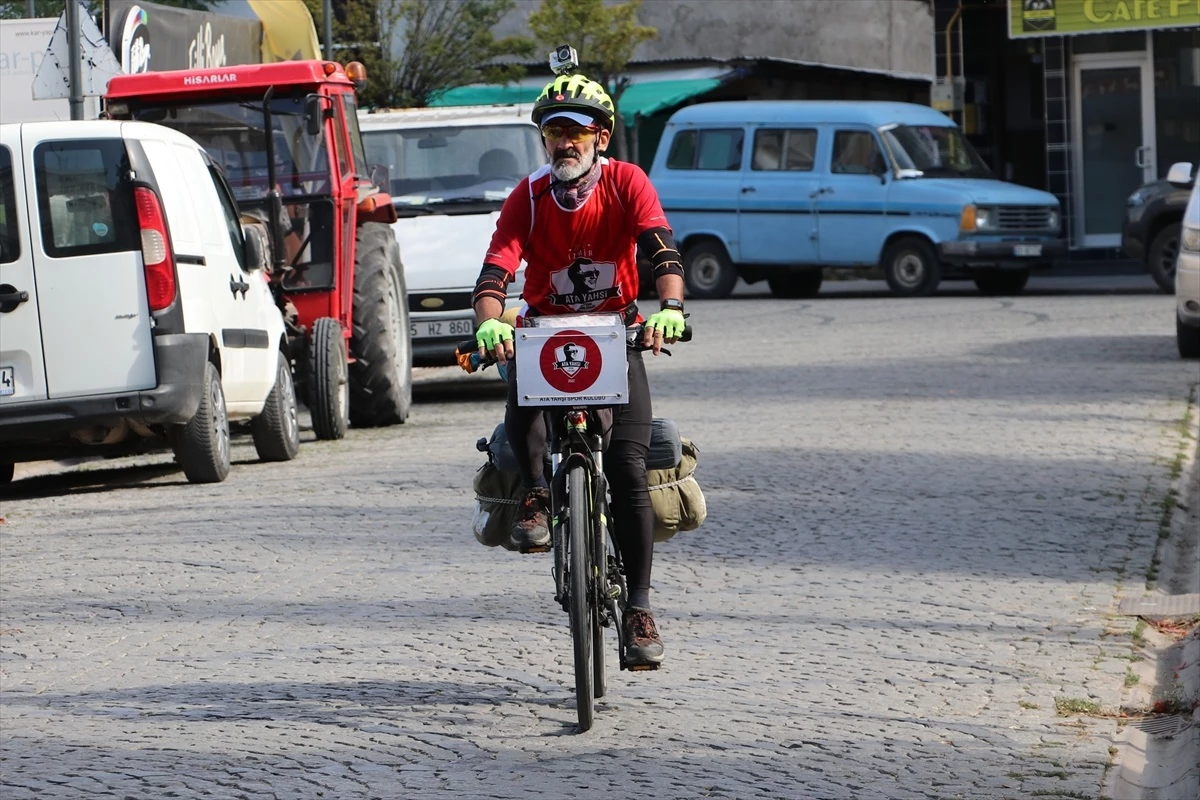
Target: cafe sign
{"points": [[1068, 17]]}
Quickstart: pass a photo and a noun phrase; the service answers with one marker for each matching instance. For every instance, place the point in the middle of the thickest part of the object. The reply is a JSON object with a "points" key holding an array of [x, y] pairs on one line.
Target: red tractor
{"points": [[287, 138]]}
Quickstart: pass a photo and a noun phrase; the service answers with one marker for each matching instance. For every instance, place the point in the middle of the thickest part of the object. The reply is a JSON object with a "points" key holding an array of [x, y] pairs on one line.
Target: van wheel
{"points": [[1160, 260], [998, 282], [6, 473], [911, 267], [708, 273], [381, 375], [329, 389], [1187, 338], [276, 430], [800, 283], [202, 448]]}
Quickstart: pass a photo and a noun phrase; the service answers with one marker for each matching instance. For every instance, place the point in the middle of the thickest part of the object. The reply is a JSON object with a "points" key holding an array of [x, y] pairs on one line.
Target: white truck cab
{"points": [[134, 310], [449, 172]]}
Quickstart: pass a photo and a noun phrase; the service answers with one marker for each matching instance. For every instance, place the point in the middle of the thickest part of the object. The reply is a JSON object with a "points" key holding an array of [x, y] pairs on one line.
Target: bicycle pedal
{"points": [[642, 667], [543, 548]]}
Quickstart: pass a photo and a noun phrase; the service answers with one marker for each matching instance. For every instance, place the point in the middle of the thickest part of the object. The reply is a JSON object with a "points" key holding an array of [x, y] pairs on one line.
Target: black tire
{"points": [[276, 430], [1187, 338], [599, 605], [202, 448], [381, 375], [328, 388], [708, 274], [911, 267], [795, 284], [1160, 258], [579, 568], [6, 473], [996, 283]]}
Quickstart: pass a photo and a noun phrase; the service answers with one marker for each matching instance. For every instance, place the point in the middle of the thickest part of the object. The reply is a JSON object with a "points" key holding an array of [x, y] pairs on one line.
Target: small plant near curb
{"points": [[1066, 706], [1138, 637], [1028, 704], [1131, 678]]}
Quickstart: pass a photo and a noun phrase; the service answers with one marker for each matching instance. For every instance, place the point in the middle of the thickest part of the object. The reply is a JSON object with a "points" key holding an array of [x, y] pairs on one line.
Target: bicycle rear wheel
{"points": [[582, 602]]}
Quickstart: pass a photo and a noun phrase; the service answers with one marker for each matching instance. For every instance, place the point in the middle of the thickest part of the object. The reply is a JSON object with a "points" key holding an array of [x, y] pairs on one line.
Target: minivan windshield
{"points": [[454, 164], [934, 151]]}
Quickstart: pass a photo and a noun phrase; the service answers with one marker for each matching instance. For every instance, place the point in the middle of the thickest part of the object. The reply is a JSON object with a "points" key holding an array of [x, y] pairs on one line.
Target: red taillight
{"points": [[156, 250]]}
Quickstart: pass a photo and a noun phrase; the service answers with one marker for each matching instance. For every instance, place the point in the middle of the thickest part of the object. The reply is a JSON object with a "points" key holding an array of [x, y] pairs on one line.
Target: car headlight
{"points": [[1052, 220], [1190, 240], [975, 218]]}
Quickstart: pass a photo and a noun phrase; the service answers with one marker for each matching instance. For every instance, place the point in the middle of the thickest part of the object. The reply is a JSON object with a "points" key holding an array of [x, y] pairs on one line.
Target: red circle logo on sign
{"points": [[570, 361]]}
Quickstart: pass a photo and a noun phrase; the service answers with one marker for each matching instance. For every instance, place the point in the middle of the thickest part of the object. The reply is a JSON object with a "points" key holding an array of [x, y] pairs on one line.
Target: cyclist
{"points": [[578, 224]]}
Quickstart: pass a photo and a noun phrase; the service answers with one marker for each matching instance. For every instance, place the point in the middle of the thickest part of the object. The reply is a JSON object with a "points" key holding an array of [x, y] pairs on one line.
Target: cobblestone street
{"points": [[922, 513]]}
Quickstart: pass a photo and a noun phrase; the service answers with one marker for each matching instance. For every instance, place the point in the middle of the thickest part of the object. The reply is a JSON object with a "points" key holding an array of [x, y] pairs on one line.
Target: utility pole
{"points": [[30, 11], [327, 12], [75, 50]]}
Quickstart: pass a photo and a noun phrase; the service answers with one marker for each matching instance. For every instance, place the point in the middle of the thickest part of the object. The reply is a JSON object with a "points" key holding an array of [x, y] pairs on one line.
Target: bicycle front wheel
{"points": [[579, 560]]}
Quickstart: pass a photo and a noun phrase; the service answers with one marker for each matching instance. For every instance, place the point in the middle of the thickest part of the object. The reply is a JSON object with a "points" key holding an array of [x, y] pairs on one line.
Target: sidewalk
{"points": [[1158, 757]]}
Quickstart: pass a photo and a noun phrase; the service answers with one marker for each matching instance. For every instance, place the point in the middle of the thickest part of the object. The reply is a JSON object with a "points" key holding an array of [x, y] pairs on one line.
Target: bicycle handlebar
{"points": [[467, 351]]}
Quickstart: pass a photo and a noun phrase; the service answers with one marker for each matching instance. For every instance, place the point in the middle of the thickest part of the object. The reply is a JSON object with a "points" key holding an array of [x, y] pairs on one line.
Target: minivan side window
{"points": [[777, 149], [708, 149], [856, 153], [10, 241], [86, 205], [233, 225]]}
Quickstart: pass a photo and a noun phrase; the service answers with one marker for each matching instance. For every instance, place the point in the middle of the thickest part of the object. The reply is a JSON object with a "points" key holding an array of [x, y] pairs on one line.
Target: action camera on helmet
{"points": [[563, 59]]}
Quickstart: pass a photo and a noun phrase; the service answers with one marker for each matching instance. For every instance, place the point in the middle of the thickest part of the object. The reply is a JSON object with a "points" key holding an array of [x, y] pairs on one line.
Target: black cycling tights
{"points": [[628, 444]]}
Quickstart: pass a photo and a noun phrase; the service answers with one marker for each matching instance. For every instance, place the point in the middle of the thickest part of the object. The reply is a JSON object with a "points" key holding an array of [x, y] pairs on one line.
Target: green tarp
{"points": [[643, 98]]}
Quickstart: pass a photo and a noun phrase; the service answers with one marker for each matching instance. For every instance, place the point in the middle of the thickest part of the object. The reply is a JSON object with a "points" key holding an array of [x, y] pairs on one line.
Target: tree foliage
{"points": [[605, 36], [414, 49]]}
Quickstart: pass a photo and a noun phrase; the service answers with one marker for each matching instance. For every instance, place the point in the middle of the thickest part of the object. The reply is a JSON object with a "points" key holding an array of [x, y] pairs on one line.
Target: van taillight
{"points": [[156, 249]]}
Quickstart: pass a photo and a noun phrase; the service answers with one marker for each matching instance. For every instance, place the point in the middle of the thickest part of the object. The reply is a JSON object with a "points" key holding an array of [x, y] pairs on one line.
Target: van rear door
{"points": [[22, 372], [95, 317]]}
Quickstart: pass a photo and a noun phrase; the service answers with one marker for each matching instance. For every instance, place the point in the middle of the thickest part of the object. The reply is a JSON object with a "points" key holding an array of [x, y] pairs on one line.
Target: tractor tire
{"points": [[202, 447], [328, 394], [381, 375]]}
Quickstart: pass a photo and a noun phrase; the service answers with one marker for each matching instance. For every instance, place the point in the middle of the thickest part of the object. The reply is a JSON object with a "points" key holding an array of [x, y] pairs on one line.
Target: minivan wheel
{"points": [[202, 448], [1160, 260], [276, 430], [708, 274], [911, 267], [6, 473]]}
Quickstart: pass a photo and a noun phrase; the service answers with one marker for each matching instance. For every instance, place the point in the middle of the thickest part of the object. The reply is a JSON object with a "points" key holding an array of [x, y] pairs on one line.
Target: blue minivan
{"points": [[777, 190]]}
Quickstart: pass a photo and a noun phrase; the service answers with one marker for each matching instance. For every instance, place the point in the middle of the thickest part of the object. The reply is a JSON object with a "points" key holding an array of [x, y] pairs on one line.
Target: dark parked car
{"points": [[1150, 230]]}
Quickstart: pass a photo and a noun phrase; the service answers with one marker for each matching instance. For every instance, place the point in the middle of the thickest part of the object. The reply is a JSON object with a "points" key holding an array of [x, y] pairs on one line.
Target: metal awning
{"points": [[648, 92]]}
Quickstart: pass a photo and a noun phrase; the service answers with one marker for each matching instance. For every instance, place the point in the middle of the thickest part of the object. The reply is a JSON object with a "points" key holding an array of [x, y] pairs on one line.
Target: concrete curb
{"points": [[1162, 761]]}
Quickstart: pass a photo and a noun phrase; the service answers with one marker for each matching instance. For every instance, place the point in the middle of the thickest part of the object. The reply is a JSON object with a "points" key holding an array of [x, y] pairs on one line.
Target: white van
{"points": [[449, 171], [134, 310], [1187, 263]]}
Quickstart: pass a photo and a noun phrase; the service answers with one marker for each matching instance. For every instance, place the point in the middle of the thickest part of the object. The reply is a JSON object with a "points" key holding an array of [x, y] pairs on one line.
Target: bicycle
{"points": [[589, 577]]}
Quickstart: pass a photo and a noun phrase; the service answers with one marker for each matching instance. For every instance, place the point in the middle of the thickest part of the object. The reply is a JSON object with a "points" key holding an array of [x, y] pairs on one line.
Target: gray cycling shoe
{"points": [[531, 531]]}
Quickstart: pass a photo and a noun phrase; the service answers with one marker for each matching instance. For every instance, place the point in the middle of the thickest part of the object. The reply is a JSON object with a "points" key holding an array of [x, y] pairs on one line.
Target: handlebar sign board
{"points": [[572, 360]]}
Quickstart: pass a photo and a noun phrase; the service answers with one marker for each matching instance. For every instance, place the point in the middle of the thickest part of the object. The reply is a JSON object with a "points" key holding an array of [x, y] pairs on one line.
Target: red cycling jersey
{"points": [[580, 260]]}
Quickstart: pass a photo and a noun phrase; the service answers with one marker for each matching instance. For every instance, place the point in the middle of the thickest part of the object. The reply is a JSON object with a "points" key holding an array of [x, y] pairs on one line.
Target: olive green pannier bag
{"points": [[670, 469]]}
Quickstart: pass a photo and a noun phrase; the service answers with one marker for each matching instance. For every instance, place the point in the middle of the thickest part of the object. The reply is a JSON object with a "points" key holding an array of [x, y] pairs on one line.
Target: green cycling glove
{"points": [[669, 321], [492, 332]]}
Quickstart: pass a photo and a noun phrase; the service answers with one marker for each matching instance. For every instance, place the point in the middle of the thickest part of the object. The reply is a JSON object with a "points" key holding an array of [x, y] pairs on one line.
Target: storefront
{"points": [[1121, 100]]}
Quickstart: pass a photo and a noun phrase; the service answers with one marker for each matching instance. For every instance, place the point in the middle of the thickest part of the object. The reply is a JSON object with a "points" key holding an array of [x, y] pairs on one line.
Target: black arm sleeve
{"points": [[658, 245], [493, 282]]}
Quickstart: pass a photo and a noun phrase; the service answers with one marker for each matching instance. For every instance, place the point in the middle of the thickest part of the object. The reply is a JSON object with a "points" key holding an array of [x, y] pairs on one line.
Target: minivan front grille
{"points": [[1023, 218]]}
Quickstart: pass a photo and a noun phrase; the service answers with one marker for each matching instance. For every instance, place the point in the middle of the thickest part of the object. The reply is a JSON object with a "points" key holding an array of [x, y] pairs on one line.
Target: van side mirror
{"points": [[254, 253], [1180, 174], [314, 114]]}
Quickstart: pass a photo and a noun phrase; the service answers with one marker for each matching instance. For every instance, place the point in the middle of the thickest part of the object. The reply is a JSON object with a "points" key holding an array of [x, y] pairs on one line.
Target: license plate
{"points": [[429, 329], [1027, 249], [7, 384]]}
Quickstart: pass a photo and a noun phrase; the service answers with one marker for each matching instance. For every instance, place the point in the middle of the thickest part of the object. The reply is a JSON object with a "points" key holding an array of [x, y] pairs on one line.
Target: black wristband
{"points": [[671, 303]]}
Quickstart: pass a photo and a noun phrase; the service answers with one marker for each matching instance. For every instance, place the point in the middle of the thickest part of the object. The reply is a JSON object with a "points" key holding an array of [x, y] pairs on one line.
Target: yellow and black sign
{"points": [[1067, 17]]}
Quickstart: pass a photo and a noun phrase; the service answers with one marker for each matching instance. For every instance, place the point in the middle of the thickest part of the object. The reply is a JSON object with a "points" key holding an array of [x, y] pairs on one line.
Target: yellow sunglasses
{"points": [[574, 133]]}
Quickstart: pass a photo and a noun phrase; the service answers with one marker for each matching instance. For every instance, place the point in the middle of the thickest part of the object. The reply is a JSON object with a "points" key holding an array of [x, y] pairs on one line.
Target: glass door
{"points": [[1114, 138]]}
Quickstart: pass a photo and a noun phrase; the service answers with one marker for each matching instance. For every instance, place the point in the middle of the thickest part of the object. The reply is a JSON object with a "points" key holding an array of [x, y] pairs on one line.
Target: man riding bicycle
{"points": [[578, 224]]}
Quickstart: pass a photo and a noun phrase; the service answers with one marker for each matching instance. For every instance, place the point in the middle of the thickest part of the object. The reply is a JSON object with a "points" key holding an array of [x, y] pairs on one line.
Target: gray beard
{"points": [[567, 172]]}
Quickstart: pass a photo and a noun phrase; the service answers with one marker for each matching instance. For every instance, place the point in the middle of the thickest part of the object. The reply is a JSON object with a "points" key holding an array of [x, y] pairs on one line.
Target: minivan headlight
{"points": [[1052, 220], [1190, 239], [976, 218]]}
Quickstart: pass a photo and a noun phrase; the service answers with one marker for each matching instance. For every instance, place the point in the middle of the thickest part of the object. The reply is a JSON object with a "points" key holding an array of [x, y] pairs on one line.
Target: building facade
{"points": [[1088, 99]]}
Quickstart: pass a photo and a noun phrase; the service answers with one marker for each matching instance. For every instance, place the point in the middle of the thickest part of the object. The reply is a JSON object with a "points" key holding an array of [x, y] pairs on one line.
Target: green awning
{"points": [[644, 98]]}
